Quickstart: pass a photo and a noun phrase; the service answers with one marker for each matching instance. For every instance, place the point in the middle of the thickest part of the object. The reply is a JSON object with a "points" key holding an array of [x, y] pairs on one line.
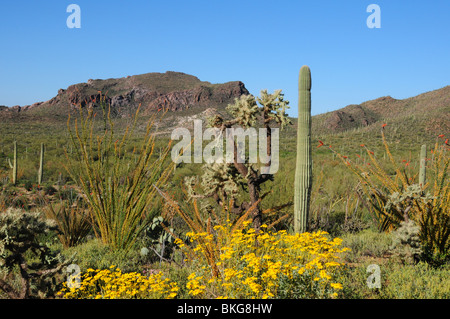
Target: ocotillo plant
{"points": [[41, 165], [119, 192], [423, 163], [303, 172], [14, 165]]}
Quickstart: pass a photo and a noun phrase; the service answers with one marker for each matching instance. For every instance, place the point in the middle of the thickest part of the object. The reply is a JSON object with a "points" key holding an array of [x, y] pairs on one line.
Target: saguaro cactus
{"points": [[423, 164], [303, 172], [14, 165], [41, 165]]}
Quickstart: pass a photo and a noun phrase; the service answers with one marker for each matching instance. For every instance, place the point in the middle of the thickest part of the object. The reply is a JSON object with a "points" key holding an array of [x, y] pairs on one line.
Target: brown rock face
{"points": [[172, 91], [199, 96], [350, 117]]}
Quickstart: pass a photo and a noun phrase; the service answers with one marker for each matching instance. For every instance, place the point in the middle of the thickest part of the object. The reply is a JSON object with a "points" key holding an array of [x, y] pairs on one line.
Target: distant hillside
{"points": [[173, 91], [428, 112]]}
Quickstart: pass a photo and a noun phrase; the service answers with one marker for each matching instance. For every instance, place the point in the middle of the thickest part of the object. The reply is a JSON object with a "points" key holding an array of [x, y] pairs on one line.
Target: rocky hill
{"points": [[172, 91], [428, 112]]}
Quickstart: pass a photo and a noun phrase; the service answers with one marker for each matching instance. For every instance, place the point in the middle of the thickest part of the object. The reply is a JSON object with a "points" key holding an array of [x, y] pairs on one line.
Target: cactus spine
{"points": [[303, 172], [423, 164], [41, 165], [14, 165]]}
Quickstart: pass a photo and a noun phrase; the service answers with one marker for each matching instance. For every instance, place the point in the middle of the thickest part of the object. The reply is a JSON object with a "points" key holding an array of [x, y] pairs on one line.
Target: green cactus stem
{"points": [[14, 164], [303, 172], [423, 164], [41, 165]]}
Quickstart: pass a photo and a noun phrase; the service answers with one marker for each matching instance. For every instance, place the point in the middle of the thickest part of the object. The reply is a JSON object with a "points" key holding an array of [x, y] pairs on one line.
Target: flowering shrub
{"points": [[113, 284], [267, 265], [249, 265]]}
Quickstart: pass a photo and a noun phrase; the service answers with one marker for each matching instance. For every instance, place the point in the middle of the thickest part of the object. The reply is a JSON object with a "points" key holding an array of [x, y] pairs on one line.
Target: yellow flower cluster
{"points": [[254, 265], [194, 286], [113, 284], [245, 264]]}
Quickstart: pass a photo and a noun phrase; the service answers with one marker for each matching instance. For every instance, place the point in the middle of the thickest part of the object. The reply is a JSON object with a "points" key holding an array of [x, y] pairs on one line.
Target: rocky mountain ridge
{"points": [[429, 111], [172, 91]]}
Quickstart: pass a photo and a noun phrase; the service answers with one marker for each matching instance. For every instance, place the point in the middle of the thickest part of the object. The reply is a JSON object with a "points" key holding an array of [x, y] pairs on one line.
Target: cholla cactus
{"points": [[221, 178], [18, 240], [244, 110], [215, 121], [222, 181], [406, 242], [402, 202], [275, 107]]}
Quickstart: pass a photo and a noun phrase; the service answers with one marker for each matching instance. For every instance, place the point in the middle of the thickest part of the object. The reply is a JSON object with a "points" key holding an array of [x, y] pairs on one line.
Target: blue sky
{"points": [[261, 43]]}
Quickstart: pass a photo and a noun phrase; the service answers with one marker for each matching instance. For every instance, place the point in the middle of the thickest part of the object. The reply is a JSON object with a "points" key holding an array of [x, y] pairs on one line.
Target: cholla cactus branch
{"points": [[244, 110], [18, 240], [406, 242], [274, 107]]}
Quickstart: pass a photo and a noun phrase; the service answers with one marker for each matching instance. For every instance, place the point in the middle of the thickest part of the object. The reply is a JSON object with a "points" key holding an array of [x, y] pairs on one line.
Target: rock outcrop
{"points": [[172, 91]]}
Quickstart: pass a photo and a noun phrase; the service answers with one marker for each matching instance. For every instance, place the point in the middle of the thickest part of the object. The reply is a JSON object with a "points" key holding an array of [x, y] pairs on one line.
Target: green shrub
{"points": [[67, 193], [420, 281], [72, 219], [367, 243], [49, 189], [354, 283], [28, 185], [97, 255]]}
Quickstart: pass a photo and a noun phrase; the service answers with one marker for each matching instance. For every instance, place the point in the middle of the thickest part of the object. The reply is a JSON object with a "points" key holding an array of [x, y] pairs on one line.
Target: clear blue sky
{"points": [[262, 43]]}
